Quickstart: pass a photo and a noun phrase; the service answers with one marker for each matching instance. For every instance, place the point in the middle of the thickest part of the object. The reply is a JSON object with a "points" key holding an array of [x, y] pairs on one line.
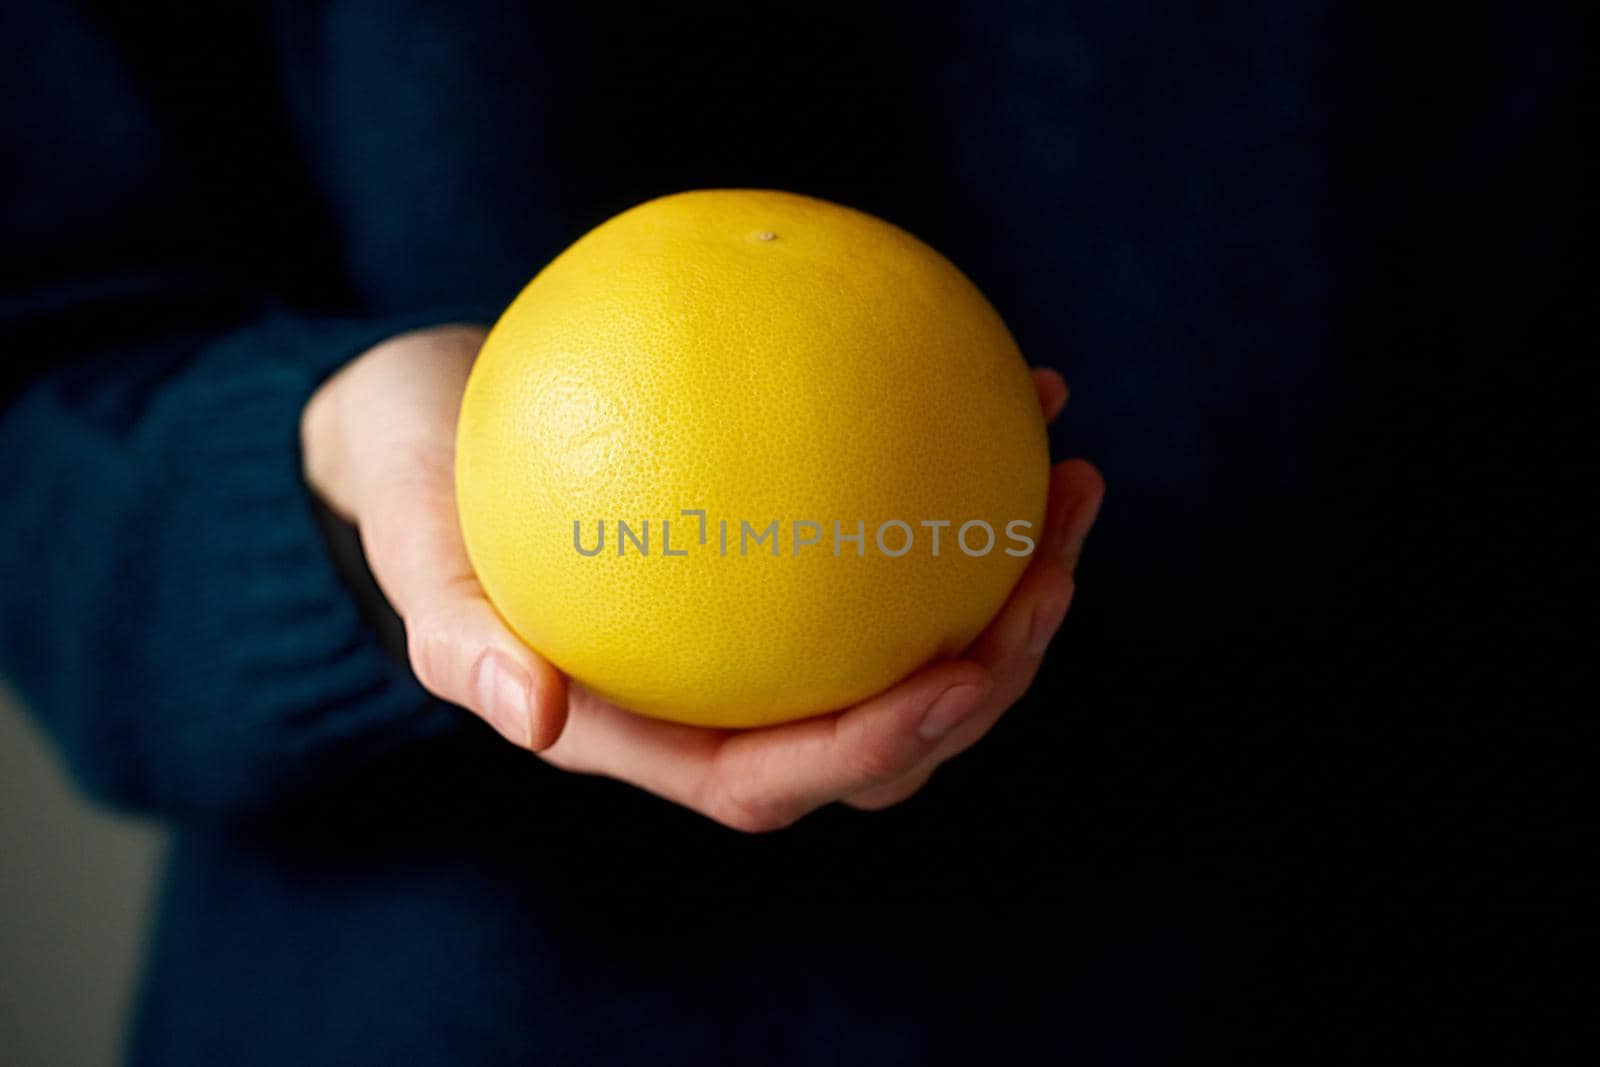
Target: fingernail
{"points": [[953, 705], [1047, 618], [503, 698]]}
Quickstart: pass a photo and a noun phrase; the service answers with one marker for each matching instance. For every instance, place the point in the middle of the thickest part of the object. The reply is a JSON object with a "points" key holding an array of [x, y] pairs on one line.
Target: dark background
{"points": [[1299, 784]]}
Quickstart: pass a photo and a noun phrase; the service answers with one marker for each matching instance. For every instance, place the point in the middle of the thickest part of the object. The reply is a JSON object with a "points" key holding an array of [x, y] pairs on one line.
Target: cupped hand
{"points": [[379, 448]]}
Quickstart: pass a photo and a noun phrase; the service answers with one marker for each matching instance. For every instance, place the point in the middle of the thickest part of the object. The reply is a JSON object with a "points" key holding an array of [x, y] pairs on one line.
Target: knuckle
{"points": [[873, 761], [878, 799], [1012, 685], [869, 757], [1020, 688], [429, 648], [888, 796], [734, 808]]}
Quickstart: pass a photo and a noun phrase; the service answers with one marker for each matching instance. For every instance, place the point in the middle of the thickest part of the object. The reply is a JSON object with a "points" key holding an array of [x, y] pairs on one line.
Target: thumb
{"points": [[460, 652], [458, 647]]}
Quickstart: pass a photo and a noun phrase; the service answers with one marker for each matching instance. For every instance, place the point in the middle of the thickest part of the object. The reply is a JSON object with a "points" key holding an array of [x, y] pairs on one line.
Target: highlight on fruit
{"points": [[893, 538]]}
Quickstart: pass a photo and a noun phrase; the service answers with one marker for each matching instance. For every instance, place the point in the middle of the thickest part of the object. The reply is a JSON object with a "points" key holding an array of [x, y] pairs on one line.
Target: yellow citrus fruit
{"points": [[707, 365]]}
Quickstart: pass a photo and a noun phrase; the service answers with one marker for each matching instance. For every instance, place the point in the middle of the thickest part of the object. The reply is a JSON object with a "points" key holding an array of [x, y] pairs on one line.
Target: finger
{"points": [[1052, 390], [1076, 491], [665, 758], [1014, 643], [887, 796], [1012, 647], [462, 653], [458, 647], [766, 779], [761, 780], [1011, 650]]}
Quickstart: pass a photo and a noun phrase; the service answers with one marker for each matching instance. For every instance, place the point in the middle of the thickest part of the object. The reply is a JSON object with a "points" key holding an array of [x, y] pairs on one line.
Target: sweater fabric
{"points": [[1238, 232]]}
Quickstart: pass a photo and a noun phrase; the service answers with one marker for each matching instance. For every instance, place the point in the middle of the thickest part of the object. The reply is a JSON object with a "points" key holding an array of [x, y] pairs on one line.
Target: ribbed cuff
{"points": [[303, 691]]}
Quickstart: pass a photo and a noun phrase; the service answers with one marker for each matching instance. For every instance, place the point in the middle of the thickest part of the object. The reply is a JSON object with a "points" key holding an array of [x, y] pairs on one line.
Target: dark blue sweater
{"points": [[1226, 229]]}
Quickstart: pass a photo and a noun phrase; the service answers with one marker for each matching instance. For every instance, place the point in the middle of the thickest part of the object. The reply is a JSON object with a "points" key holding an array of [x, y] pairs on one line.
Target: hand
{"points": [[379, 447]]}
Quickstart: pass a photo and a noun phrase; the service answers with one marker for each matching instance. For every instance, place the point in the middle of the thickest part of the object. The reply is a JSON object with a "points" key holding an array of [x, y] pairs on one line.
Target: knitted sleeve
{"points": [[168, 606]]}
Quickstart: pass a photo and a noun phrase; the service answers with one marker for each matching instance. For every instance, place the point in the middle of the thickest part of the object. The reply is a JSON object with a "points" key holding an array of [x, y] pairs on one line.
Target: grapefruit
{"points": [[737, 457]]}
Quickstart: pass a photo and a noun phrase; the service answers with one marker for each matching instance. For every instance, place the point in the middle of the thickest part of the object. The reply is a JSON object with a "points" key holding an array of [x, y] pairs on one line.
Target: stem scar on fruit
{"points": [[766, 235]]}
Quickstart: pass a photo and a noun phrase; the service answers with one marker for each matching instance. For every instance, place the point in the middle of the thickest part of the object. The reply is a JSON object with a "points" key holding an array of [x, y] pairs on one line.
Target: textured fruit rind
{"points": [[761, 356]]}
